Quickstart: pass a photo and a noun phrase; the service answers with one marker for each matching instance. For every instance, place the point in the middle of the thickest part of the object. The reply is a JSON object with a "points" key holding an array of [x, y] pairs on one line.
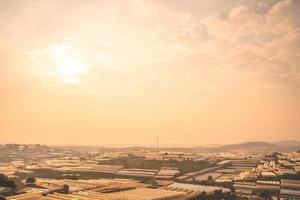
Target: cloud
{"points": [[264, 44], [257, 39]]}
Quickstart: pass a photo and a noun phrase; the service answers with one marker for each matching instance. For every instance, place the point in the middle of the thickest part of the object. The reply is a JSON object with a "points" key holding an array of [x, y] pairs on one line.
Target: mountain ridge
{"points": [[250, 146]]}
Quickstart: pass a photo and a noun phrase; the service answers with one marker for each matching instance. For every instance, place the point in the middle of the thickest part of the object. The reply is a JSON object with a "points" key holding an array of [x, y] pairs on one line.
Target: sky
{"points": [[190, 72]]}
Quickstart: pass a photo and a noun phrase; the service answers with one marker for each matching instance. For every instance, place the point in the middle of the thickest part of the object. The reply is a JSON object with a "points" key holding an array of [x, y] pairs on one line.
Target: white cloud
{"points": [[258, 39], [267, 43]]}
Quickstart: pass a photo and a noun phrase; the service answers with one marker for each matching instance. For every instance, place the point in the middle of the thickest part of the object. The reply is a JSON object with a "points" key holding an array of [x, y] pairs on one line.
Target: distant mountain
{"points": [[288, 143], [251, 147], [257, 147]]}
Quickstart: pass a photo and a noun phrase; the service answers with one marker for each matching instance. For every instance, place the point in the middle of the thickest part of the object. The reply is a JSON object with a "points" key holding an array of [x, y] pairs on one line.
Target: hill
{"points": [[254, 147]]}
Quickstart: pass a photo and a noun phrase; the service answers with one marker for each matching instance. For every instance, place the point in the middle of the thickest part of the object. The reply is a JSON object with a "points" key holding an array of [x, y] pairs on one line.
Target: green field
{"points": [[183, 166]]}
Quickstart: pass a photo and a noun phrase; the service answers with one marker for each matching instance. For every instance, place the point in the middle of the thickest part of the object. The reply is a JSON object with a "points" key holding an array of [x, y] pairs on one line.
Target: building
{"points": [[147, 173], [290, 189], [271, 186], [246, 188], [167, 173], [134, 194], [193, 191], [149, 194]]}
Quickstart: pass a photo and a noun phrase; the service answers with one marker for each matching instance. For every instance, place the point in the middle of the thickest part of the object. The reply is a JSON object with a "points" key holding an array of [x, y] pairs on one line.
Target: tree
{"points": [[3, 179], [194, 179], [218, 194], [209, 178], [30, 180], [65, 189], [5, 182], [11, 184], [154, 183], [203, 195], [266, 195]]}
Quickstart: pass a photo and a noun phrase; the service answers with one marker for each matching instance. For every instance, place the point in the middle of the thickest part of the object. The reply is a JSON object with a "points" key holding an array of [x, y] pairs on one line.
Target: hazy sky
{"points": [[123, 72]]}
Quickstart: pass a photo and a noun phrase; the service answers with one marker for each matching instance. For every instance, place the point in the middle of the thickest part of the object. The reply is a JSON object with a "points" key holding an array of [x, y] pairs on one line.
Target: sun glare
{"points": [[69, 65]]}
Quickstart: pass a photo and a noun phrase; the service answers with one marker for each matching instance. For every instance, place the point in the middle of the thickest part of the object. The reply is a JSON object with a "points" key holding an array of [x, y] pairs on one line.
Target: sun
{"points": [[70, 68], [69, 65]]}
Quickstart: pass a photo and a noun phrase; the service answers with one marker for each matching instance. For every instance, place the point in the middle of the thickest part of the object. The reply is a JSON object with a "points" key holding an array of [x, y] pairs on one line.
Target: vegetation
{"points": [[209, 178], [64, 189], [266, 195], [132, 162], [291, 176], [49, 173], [217, 195], [30, 180], [183, 166], [5, 182], [203, 195]]}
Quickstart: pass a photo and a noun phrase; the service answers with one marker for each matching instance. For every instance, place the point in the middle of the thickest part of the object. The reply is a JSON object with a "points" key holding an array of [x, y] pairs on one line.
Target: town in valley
{"points": [[35, 171]]}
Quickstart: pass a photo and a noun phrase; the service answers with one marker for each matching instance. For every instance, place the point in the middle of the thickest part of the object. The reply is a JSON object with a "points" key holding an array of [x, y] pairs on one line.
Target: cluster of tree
{"points": [[291, 176], [136, 162], [30, 180], [267, 195], [65, 189], [50, 173], [217, 195], [5, 182]]}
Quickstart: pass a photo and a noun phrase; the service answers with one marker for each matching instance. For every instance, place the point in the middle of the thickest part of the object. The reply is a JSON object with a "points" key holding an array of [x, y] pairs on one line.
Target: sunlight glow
{"points": [[69, 64]]}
